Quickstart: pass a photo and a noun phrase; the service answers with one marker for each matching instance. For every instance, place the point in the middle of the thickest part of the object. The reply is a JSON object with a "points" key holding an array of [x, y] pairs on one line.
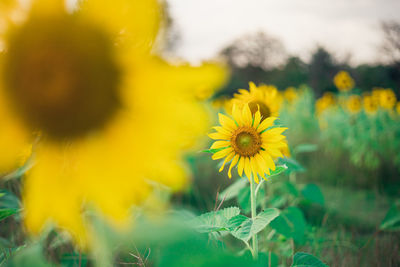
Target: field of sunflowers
{"points": [[112, 155]]}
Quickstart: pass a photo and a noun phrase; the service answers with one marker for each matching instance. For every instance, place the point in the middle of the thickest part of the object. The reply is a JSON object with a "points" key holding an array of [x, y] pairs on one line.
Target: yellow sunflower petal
{"points": [[227, 159], [218, 136], [241, 166], [247, 167], [246, 115], [237, 115], [222, 153], [268, 122], [257, 119], [233, 163], [254, 168], [220, 144], [226, 122], [268, 160]]}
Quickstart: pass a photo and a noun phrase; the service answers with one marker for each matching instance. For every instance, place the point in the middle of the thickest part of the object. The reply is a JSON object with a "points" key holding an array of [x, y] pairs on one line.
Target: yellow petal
{"points": [[268, 122], [254, 169], [268, 160], [218, 136], [247, 167], [275, 131], [220, 144], [222, 153], [262, 166], [233, 163], [246, 115], [275, 153], [226, 122], [241, 166], [237, 115], [257, 119], [228, 158]]}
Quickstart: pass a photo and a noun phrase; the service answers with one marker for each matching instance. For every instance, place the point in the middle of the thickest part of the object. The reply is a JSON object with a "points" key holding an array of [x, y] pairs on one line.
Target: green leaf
{"points": [[233, 190], [214, 150], [313, 193], [279, 169], [391, 222], [5, 213], [305, 148], [291, 188], [243, 198], [215, 220], [302, 259], [292, 164], [236, 221], [291, 224], [249, 227]]}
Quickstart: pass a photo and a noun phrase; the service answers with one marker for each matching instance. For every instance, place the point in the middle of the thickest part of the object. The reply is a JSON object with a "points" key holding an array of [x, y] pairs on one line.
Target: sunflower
{"points": [[353, 104], [114, 117], [265, 98], [290, 94], [326, 101], [343, 81], [398, 108], [387, 99], [370, 105], [248, 141]]}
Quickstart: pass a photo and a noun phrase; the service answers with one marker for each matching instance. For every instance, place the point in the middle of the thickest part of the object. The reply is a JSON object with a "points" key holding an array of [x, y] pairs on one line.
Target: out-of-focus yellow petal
{"points": [[233, 163]]}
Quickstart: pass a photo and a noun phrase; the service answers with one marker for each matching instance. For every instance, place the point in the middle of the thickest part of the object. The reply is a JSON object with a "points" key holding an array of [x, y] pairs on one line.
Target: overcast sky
{"points": [[342, 26]]}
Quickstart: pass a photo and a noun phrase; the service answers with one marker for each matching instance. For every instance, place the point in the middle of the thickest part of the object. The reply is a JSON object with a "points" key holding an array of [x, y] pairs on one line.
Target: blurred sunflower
{"points": [[290, 94], [370, 105], [353, 104], [265, 98], [343, 81], [398, 108], [325, 102], [112, 114], [248, 141], [387, 99]]}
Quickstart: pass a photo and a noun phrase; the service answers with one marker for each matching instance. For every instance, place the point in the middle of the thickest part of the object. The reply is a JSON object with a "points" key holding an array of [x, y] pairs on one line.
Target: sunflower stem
{"points": [[253, 216]]}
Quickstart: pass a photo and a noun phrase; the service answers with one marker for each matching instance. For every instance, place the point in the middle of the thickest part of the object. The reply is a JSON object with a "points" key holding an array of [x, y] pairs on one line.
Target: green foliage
{"points": [[291, 224], [312, 193], [249, 227], [215, 220], [302, 259], [5, 213], [391, 222]]}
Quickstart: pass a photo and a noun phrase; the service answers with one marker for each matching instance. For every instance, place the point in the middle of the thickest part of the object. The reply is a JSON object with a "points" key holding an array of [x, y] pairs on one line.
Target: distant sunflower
{"points": [[112, 114], [265, 98], [249, 142], [398, 108], [370, 105], [343, 81], [353, 104], [326, 101], [290, 94], [387, 99]]}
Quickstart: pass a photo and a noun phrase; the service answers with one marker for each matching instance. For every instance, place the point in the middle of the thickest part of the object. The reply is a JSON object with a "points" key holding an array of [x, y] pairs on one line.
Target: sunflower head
{"points": [[387, 99], [249, 142], [343, 81], [325, 102], [370, 105], [290, 94], [65, 82], [264, 98], [353, 104]]}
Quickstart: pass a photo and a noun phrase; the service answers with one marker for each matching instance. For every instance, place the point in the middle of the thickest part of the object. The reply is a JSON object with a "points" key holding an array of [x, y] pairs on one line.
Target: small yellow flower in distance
{"points": [[266, 98], [325, 102], [343, 81], [290, 94], [113, 115], [398, 108], [248, 141], [387, 99], [370, 105], [353, 104]]}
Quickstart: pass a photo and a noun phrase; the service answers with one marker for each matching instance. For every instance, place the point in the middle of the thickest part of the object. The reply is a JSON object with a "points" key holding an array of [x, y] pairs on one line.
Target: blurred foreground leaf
{"points": [[302, 259], [305, 148], [5, 213], [313, 193], [291, 224], [391, 222]]}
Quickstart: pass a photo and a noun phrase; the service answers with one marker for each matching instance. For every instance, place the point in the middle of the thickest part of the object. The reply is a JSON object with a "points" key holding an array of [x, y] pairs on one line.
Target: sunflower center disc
{"points": [[246, 141], [264, 110], [62, 76]]}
